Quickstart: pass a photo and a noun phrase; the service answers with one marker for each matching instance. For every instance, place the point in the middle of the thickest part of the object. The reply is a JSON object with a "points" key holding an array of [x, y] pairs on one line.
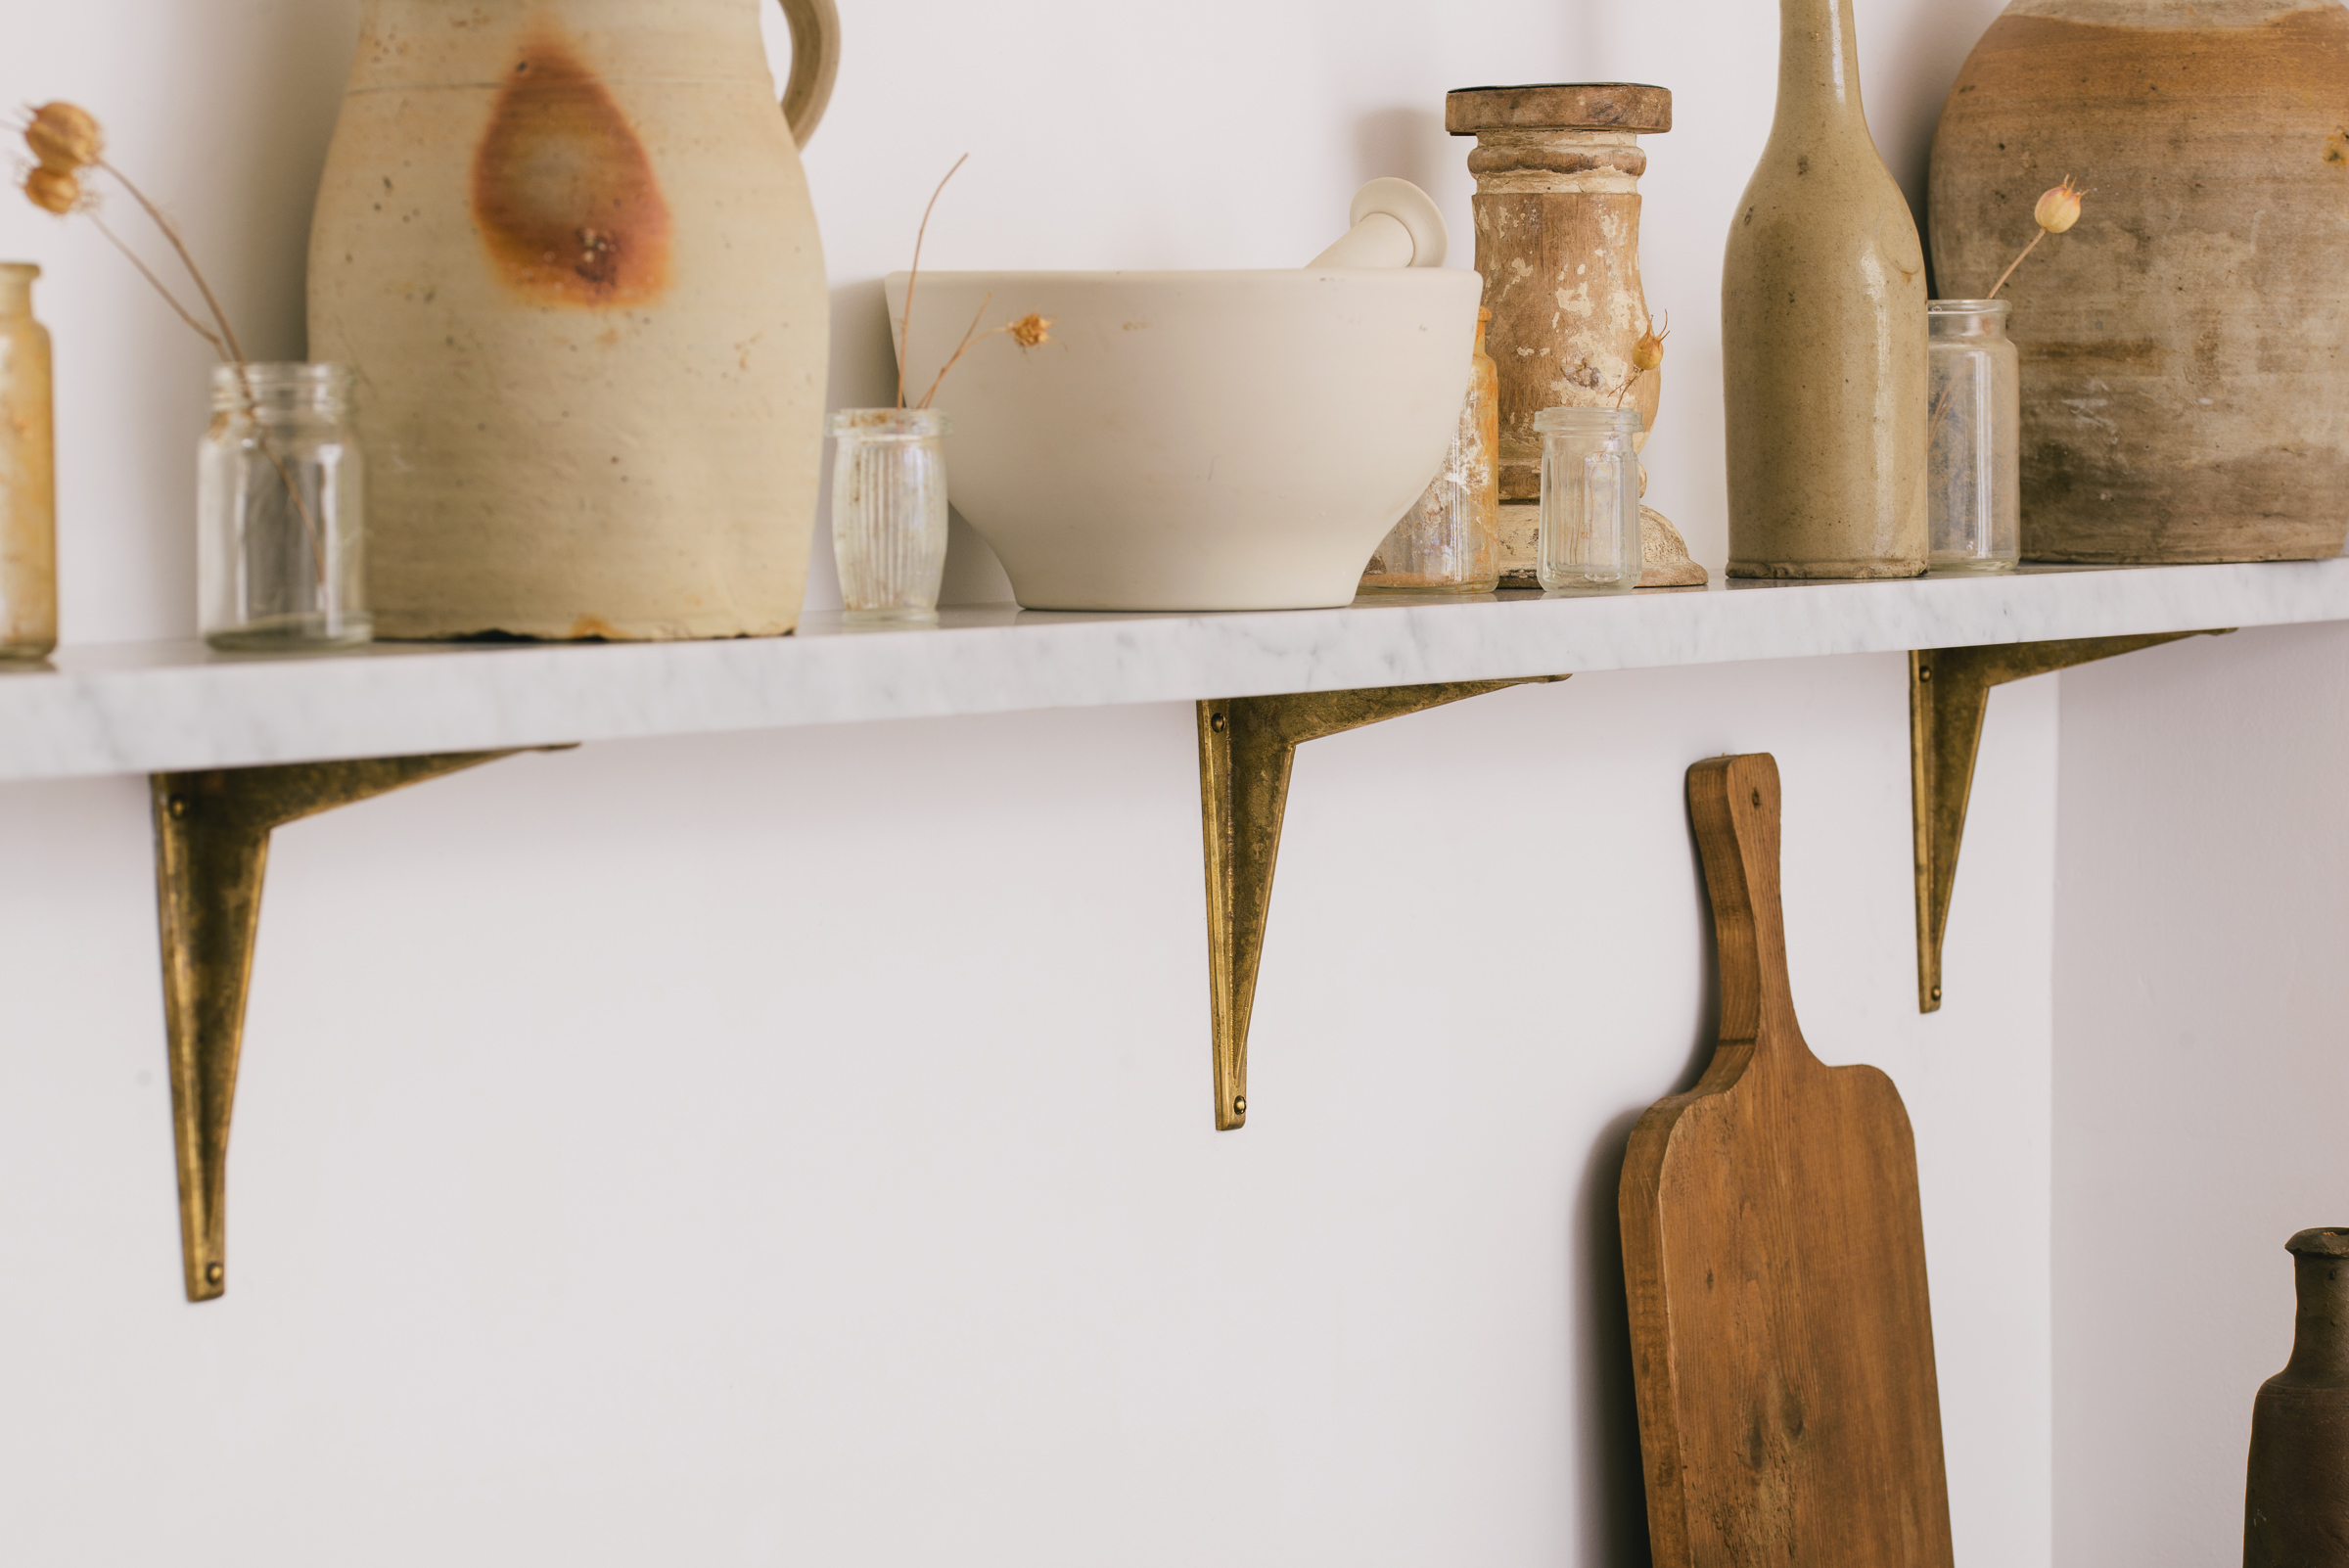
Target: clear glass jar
{"points": [[281, 519], [1973, 446], [27, 475], [1589, 500], [888, 510], [1450, 541]]}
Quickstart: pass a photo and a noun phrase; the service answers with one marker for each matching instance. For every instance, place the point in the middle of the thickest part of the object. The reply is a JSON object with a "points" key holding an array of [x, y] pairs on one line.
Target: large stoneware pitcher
{"points": [[568, 248]]}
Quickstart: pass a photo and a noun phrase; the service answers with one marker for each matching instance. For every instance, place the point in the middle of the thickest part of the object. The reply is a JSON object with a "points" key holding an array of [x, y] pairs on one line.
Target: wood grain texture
{"points": [[2186, 346], [1580, 105], [1773, 1249]]}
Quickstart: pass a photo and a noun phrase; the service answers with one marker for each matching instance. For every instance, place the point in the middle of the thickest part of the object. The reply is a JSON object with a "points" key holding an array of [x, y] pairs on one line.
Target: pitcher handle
{"points": [[815, 63]]}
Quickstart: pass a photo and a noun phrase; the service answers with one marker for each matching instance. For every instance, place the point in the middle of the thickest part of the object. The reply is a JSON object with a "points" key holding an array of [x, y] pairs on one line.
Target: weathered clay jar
{"points": [[1823, 305], [568, 249], [2186, 347], [2296, 1503]]}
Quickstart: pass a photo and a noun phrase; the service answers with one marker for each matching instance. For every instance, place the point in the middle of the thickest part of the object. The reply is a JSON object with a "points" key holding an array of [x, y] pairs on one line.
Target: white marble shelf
{"points": [[162, 707]]}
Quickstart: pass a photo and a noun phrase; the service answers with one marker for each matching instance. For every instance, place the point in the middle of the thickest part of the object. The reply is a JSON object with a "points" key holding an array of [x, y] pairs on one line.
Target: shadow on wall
{"points": [[1613, 1479], [1405, 143], [1614, 1513], [299, 56], [1935, 42]]}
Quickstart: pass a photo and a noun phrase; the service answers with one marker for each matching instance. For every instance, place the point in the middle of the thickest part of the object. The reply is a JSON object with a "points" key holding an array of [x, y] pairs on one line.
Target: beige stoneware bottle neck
{"points": [[1818, 69]]}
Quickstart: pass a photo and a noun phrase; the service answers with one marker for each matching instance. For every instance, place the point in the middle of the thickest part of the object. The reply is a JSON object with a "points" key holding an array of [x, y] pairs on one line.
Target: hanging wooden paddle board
{"points": [[1773, 1249]]}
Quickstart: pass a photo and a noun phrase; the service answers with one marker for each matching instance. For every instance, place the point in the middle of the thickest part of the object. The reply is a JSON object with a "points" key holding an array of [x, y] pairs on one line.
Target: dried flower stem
{"points": [[905, 322], [2016, 262], [224, 342], [179, 247], [971, 335], [159, 287]]}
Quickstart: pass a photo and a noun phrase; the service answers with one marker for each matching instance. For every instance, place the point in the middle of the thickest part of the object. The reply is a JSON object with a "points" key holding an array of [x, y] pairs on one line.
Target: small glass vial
{"points": [[1973, 446], [281, 513], [1589, 500], [1450, 541], [888, 510], [27, 475]]}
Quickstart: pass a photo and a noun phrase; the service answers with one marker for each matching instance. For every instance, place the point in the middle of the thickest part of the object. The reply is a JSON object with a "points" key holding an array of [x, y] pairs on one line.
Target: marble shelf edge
{"points": [[160, 707]]}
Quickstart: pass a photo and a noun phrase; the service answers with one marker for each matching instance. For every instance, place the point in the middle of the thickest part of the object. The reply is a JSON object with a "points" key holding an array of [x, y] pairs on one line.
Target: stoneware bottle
{"points": [[2296, 1504], [567, 249], [1822, 303], [2185, 346], [28, 474]]}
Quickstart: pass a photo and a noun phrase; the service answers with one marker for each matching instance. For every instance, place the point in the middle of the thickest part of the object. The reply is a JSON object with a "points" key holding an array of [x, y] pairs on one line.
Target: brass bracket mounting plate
{"points": [[211, 848], [1245, 748], [1949, 697]]}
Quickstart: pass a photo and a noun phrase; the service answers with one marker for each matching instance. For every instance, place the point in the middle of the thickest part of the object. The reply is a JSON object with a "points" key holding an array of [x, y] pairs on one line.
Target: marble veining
{"points": [[152, 706]]}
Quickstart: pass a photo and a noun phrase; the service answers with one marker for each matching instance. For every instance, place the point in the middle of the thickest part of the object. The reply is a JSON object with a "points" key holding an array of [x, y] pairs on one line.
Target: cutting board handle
{"points": [[1734, 803]]}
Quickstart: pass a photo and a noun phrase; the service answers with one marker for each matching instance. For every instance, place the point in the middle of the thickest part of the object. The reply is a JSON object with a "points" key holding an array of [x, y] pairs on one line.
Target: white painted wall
{"points": [[797, 1147], [2203, 1061]]}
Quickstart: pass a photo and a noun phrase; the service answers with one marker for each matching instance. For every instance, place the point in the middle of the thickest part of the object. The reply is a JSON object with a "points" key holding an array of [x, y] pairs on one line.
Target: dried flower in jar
{"points": [[64, 137], [1648, 352], [2058, 209], [1646, 355], [53, 190]]}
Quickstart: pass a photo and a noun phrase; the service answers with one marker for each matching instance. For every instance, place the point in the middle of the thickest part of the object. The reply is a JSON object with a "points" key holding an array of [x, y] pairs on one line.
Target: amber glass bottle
{"points": [[27, 468]]}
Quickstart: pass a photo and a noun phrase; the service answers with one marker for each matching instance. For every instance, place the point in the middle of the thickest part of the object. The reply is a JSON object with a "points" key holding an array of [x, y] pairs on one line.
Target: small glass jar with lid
{"points": [[1973, 442], [1450, 541], [281, 513], [1589, 500]]}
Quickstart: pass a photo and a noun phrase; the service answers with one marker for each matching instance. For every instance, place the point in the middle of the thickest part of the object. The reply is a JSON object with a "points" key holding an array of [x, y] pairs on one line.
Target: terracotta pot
{"points": [[568, 249], [2185, 349], [2296, 1503]]}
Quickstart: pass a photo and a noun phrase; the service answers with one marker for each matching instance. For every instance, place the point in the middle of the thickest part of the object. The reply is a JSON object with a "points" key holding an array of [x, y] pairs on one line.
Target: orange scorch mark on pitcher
{"points": [[563, 190]]}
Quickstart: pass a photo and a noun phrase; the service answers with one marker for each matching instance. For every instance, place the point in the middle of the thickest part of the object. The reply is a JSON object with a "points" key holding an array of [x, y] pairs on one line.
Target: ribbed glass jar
{"points": [[1973, 442], [1589, 500], [888, 510], [281, 514]]}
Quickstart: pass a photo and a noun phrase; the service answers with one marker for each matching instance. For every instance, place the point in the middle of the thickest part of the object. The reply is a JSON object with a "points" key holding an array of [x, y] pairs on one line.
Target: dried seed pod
{"points": [[1030, 331], [2059, 207], [53, 190], [66, 138], [1648, 352]]}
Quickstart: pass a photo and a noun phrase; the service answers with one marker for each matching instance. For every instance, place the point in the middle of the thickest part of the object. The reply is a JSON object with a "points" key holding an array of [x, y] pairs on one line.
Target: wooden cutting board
{"points": [[1782, 1338]]}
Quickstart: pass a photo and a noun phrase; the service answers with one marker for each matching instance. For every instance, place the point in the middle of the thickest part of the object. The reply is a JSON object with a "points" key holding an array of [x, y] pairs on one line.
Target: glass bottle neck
{"points": [[16, 288], [1818, 68]]}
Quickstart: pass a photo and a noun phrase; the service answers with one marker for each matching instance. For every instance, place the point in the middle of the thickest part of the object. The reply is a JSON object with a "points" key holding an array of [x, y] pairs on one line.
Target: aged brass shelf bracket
{"points": [[212, 846], [1949, 696], [1245, 748]]}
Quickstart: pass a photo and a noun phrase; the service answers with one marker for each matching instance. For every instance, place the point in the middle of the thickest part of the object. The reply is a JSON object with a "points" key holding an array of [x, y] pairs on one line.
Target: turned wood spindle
{"points": [[1557, 242]]}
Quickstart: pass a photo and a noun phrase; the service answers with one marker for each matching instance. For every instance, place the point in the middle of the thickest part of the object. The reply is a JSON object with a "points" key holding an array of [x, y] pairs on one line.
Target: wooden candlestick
{"points": [[1557, 242]]}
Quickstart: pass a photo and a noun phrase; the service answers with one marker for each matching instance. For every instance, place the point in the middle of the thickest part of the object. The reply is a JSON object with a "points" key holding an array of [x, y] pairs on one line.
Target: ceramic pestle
{"points": [[1395, 224]]}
